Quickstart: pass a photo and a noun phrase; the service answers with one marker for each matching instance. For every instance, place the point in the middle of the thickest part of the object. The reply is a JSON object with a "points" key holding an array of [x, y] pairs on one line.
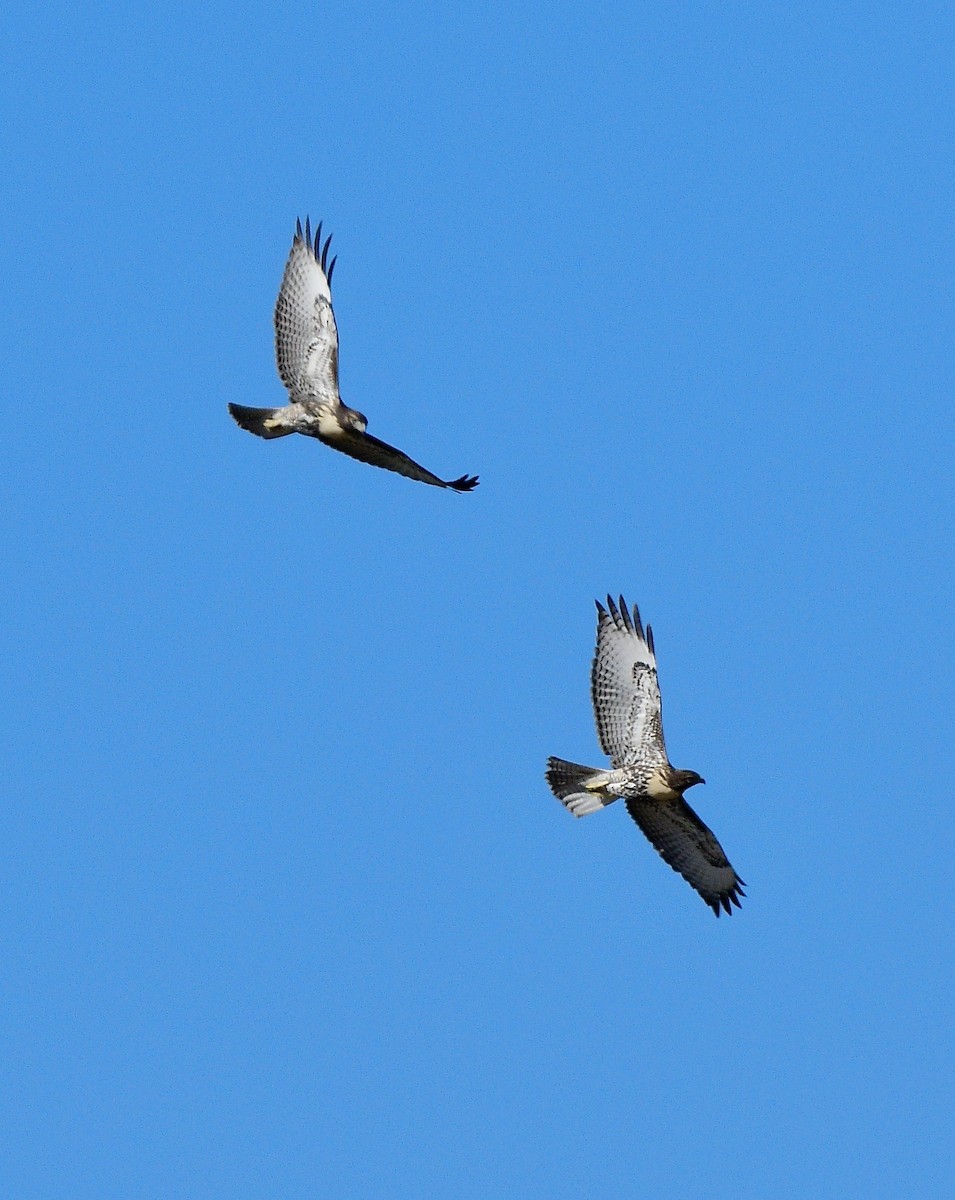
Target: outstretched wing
{"points": [[624, 688], [684, 842], [306, 336], [372, 450]]}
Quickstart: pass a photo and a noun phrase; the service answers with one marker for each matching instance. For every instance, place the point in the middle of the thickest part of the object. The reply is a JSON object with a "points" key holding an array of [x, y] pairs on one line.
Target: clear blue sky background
{"points": [[287, 908]]}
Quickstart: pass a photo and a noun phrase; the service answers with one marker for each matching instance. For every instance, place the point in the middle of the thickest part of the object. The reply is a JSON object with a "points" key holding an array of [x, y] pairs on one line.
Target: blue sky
{"points": [[288, 909]]}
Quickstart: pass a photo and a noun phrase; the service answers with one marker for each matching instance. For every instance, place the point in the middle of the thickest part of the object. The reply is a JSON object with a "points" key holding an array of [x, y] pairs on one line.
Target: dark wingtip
{"points": [[725, 901], [638, 622], [466, 483], [316, 246], [625, 614], [630, 622]]}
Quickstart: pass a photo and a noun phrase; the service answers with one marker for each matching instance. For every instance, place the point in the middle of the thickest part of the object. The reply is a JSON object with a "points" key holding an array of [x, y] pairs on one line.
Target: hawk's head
{"points": [[681, 780], [351, 418]]}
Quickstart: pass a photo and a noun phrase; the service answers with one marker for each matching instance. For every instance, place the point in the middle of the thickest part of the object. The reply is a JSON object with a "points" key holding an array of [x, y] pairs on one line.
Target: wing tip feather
{"points": [[627, 620], [724, 901], [464, 483], [318, 250]]}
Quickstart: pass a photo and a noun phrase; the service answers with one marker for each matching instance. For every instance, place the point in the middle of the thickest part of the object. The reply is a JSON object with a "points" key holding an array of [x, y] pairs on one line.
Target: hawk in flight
{"points": [[626, 699], [306, 350]]}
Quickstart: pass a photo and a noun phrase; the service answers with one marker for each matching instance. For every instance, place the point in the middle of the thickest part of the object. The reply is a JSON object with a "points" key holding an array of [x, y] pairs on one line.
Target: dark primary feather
{"points": [[320, 252], [632, 624], [690, 847]]}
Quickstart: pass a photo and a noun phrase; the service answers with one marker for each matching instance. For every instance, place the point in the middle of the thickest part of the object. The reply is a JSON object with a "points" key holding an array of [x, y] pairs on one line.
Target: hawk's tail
{"points": [[568, 781], [264, 422]]}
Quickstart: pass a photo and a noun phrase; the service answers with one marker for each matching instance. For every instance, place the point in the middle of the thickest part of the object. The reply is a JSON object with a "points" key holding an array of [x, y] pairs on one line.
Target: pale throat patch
{"points": [[657, 787], [328, 424]]}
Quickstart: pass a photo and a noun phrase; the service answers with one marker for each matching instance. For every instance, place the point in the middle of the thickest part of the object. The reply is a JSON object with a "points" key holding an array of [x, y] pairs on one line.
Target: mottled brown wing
{"points": [[372, 450], [625, 690], [306, 336], [684, 842]]}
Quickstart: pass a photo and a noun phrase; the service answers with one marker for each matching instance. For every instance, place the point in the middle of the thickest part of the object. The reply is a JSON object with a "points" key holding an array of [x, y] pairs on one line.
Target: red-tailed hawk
{"points": [[626, 699], [306, 349]]}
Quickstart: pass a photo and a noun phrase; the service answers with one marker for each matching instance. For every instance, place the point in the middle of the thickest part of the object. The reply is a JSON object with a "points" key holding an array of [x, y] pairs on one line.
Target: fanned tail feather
{"points": [[263, 422], [568, 781]]}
